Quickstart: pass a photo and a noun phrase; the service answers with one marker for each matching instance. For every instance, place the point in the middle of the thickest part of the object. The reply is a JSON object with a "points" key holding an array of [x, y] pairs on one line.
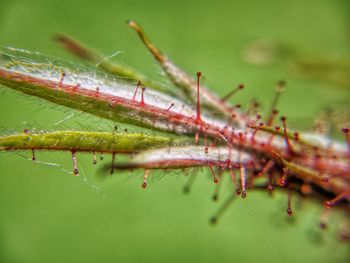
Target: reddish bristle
{"points": [[198, 117], [189, 183], [273, 110], [233, 92], [272, 116], [97, 92], [270, 140], [216, 179], [145, 177], [171, 105], [33, 155], [284, 178], [113, 161], [243, 181], [346, 132], [285, 133], [196, 138], [137, 88], [270, 182], [268, 166], [233, 177], [94, 158], [289, 209], [75, 164], [143, 96], [337, 199], [60, 83], [217, 191], [253, 107]]}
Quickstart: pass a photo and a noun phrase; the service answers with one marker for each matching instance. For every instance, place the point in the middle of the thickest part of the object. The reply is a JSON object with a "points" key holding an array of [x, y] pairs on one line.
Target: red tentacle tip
{"points": [[329, 204], [171, 105], [144, 185], [289, 211], [244, 194], [345, 130], [283, 183]]}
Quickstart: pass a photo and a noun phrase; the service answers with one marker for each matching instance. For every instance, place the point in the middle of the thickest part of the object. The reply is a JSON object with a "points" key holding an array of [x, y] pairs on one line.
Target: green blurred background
{"points": [[47, 215]]}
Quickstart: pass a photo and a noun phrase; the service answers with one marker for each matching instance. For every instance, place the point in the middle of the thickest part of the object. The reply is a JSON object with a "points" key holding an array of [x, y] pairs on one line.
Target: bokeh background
{"points": [[47, 215]]}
